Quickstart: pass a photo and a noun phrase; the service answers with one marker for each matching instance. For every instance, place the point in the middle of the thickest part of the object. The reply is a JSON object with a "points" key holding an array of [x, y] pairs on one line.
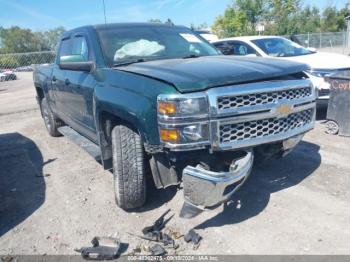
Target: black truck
{"points": [[159, 97]]}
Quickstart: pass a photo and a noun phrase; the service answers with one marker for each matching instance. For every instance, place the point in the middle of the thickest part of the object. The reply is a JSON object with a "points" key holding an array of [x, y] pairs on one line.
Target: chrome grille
{"points": [[231, 102], [264, 128]]}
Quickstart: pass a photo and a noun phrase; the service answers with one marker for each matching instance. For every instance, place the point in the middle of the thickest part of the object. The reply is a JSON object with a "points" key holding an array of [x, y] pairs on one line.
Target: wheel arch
{"points": [[105, 122]]}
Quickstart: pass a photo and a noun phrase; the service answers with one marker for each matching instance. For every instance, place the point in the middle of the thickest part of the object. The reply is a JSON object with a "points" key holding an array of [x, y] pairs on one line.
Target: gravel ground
{"points": [[55, 197]]}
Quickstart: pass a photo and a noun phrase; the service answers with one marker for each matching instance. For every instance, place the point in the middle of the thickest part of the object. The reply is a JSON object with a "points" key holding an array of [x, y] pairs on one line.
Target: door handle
{"points": [[67, 82], [54, 79]]}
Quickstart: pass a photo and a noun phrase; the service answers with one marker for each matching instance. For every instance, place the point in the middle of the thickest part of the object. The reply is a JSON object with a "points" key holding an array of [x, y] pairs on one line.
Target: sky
{"points": [[40, 15]]}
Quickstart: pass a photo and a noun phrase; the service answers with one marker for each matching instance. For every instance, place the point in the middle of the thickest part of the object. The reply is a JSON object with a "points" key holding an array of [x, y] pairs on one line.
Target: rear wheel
{"points": [[128, 168], [52, 123]]}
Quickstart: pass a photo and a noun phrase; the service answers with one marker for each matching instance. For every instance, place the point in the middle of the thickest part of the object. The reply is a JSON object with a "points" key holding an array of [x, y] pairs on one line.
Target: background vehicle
{"points": [[321, 64], [207, 35], [2, 77], [8, 75], [156, 95]]}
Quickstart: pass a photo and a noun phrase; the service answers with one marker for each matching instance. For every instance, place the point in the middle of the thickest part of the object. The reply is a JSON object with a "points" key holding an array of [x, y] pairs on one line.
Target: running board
{"points": [[91, 148]]}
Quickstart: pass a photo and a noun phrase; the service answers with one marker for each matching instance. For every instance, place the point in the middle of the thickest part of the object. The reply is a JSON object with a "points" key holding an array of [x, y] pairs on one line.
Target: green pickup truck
{"points": [[143, 96]]}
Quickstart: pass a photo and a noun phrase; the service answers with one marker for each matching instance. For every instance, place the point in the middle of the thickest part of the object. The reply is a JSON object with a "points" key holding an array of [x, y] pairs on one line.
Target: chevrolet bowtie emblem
{"points": [[284, 110]]}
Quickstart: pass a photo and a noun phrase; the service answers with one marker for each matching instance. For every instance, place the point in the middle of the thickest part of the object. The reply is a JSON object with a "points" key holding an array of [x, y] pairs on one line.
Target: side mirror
{"points": [[75, 63]]}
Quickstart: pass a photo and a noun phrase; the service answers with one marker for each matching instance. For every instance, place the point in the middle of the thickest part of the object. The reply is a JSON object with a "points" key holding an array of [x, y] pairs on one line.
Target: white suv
{"points": [[321, 64]]}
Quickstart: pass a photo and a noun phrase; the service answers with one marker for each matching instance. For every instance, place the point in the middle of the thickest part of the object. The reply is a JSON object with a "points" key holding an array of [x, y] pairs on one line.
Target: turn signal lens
{"points": [[167, 108], [169, 135]]}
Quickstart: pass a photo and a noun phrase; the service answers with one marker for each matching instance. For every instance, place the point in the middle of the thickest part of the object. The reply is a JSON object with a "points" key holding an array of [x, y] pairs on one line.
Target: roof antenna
{"points": [[104, 11], [169, 22]]}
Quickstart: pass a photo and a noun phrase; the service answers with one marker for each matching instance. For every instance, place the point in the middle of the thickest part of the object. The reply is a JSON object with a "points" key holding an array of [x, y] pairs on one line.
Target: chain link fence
{"points": [[335, 42], [24, 61]]}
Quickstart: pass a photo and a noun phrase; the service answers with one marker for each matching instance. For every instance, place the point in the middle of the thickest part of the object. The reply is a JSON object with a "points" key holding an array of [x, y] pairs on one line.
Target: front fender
{"points": [[132, 100]]}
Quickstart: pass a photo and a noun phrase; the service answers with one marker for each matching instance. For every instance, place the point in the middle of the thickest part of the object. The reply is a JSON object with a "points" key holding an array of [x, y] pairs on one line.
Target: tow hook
{"points": [[208, 189]]}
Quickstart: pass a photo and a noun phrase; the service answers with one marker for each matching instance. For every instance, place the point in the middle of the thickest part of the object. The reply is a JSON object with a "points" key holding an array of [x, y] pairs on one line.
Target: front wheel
{"points": [[128, 168]]}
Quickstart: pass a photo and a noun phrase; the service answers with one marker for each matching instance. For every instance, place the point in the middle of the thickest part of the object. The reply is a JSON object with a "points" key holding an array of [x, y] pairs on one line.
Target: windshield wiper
{"points": [[191, 56], [129, 62]]}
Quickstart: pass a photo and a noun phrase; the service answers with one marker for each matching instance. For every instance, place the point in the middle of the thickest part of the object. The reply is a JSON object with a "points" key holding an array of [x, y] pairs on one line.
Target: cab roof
{"points": [[117, 25]]}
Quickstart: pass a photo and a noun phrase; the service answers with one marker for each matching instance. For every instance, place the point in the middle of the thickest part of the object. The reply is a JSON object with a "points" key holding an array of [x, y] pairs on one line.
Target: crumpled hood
{"points": [[196, 74], [323, 60]]}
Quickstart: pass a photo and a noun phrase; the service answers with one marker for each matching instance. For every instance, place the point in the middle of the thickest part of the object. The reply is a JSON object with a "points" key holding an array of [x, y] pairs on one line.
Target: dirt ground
{"points": [[55, 197]]}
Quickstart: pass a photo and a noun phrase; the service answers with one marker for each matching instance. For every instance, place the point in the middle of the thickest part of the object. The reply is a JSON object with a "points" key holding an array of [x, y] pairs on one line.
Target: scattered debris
{"points": [[157, 250], [194, 237], [157, 236], [136, 250], [159, 224], [174, 233], [154, 233], [8, 259], [44, 175], [103, 248], [49, 161]]}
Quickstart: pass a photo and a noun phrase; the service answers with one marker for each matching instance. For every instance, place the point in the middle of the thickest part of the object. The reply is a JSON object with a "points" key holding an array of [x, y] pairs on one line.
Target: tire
{"points": [[332, 127], [51, 122], [128, 168]]}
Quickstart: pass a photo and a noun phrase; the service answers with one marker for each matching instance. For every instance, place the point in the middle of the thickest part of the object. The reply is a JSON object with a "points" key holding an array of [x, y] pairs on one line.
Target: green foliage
{"points": [[279, 17], [19, 40], [233, 22], [199, 27], [9, 62]]}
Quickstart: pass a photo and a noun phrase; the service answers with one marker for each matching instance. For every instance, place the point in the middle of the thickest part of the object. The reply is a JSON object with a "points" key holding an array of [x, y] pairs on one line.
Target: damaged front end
{"points": [[205, 188], [209, 136]]}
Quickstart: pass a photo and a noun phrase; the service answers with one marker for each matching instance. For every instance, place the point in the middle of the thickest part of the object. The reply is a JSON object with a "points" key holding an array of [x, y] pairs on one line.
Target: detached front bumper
{"points": [[205, 189]]}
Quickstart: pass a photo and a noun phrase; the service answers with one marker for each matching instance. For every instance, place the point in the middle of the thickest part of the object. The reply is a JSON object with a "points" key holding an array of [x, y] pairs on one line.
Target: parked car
{"points": [[321, 64], [9, 75], [156, 96], [2, 77], [207, 35], [24, 69]]}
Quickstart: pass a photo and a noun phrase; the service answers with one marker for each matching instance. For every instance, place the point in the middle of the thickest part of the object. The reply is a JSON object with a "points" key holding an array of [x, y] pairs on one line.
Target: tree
{"points": [[199, 27], [240, 18], [309, 20], [16, 40], [232, 23], [342, 14], [19, 40], [283, 17], [329, 20], [50, 38]]}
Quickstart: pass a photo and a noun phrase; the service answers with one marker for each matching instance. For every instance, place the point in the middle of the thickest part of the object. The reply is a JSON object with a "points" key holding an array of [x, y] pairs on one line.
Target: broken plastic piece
{"points": [[159, 224], [192, 236], [157, 250], [104, 248]]}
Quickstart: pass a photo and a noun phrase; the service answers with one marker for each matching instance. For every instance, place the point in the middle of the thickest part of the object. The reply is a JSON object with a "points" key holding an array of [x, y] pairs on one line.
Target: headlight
{"points": [[179, 106], [319, 72], [183, 119]]}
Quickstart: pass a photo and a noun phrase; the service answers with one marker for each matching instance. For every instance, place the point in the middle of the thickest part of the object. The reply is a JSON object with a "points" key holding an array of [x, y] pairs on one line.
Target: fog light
{"points": [[169, 135]]}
